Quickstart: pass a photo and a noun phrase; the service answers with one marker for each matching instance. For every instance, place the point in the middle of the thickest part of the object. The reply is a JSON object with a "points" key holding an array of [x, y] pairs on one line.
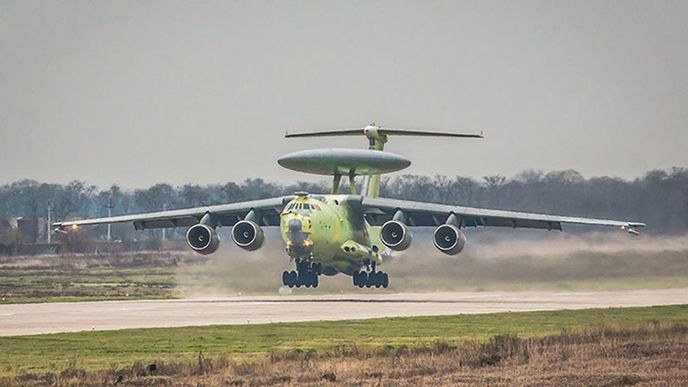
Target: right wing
{"points": [[380, 210], [267, 212]]}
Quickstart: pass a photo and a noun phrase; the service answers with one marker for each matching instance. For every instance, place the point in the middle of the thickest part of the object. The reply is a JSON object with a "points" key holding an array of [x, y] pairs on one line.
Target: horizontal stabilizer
{"points": [[426, 133], [327, 133], [372, 130]]}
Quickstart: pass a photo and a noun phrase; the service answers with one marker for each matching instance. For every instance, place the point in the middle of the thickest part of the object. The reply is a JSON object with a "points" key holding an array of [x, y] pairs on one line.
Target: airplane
{"points": [[353, 233]]}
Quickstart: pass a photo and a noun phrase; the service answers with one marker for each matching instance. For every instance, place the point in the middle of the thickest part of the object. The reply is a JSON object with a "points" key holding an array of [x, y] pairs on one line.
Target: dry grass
{"points": [[75, 277], [652, 354]]}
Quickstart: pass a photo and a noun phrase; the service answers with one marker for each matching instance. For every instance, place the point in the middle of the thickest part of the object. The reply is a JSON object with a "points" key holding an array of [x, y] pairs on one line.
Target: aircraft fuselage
{"points": [[326, 229]]}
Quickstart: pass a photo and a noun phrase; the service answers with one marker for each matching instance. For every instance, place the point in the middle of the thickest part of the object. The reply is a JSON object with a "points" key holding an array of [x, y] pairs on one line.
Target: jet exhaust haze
{"points": [[537, 260]]}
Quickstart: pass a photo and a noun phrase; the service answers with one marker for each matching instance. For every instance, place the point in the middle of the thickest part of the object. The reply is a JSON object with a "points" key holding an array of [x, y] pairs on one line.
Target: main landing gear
{"points": [[371, 278], [306, 274]]}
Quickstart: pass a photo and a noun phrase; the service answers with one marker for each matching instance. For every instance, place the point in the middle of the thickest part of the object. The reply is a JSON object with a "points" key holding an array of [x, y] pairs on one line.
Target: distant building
{"points": [[28, 228]]}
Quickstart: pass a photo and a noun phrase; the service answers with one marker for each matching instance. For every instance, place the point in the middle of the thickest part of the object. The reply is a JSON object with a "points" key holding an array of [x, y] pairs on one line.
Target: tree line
{"points": [[659, 198]]}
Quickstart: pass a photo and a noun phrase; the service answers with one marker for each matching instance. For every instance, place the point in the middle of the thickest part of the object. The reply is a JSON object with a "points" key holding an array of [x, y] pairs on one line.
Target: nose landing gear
{"points": [[371, 278], [306, 274]]}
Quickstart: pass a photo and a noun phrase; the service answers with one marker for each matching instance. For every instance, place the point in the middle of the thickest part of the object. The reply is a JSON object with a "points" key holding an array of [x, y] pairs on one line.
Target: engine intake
{"points": [[202, 239], [396, 235], [248, 235], [449, 239]]}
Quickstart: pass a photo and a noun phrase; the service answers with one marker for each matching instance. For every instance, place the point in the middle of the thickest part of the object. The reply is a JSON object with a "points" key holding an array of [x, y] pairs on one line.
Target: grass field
{"points": [[106, 350], [89, 277], [557, 262]]}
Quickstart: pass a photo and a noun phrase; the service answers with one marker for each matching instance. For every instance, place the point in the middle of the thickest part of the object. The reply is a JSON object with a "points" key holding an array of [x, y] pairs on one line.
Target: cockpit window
{"points": [[303, 206]]}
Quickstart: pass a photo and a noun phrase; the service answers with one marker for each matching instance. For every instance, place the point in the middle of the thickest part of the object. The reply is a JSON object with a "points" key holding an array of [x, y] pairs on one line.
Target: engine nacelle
{"points": [[449, 239], [202, 239], [248, 235], [396, 235]]}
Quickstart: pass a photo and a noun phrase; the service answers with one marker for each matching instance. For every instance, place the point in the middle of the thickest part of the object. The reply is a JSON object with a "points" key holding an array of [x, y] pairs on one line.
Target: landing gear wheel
{"points": [[363, 279], [360, 279], [377, 279], [310, 279], [292, 279], [306, 274], [374, 278]]}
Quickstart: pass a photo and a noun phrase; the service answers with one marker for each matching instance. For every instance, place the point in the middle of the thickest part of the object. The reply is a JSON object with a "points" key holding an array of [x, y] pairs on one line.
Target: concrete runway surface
{"points": [[24, 319]]}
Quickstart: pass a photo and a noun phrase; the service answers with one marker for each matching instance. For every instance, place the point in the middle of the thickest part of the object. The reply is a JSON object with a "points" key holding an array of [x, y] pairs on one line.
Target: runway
{"points": [[25, 319]]}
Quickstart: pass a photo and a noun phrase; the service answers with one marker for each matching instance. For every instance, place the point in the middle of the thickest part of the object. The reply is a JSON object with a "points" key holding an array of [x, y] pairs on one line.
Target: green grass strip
{"points": [[102, 349]]}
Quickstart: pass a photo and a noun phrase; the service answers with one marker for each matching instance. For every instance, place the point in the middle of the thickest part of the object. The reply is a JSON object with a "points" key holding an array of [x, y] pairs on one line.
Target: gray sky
{"points": [[136, 93]]}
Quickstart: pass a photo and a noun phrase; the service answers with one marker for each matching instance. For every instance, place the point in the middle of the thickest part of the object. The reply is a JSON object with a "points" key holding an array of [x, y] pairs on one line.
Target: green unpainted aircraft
{"points": [[333, 233]]}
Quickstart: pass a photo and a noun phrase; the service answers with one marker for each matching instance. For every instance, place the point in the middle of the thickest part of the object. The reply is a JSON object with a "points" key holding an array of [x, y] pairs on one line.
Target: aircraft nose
{"points": [[294, 225]]}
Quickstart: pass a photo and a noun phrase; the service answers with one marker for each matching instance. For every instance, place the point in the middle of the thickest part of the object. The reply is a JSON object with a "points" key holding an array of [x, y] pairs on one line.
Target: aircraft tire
{"points": [[285, 278], [363, 280], [293, 279], [385, 280], [315, 281], [378, 279]]}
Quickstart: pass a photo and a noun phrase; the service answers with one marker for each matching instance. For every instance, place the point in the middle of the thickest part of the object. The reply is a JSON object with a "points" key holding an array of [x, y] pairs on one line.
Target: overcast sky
{"points": [[136, 93]]}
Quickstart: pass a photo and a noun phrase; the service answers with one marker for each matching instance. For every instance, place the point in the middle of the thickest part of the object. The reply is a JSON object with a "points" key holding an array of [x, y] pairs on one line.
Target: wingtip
{"points": [[59, 229], [631, 228]]}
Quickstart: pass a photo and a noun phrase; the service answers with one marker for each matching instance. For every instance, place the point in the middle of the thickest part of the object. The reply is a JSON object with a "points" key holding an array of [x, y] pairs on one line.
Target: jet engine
{"points": [[202, 239], [396, 235], [449, 239], [248, 235]]}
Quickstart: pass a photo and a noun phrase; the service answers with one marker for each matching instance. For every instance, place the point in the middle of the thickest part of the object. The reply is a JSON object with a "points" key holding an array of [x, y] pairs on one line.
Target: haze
{"points": [[137, 93]]}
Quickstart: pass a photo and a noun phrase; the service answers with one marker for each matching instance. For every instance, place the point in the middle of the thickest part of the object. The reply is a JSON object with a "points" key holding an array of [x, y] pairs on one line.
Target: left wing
{"points": [[266, 210], [379, 210]]}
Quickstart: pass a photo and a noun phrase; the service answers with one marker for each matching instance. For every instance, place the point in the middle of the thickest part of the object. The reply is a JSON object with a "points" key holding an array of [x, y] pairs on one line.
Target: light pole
{"points": [[109, 208], [164, 208], [50, 221]]}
